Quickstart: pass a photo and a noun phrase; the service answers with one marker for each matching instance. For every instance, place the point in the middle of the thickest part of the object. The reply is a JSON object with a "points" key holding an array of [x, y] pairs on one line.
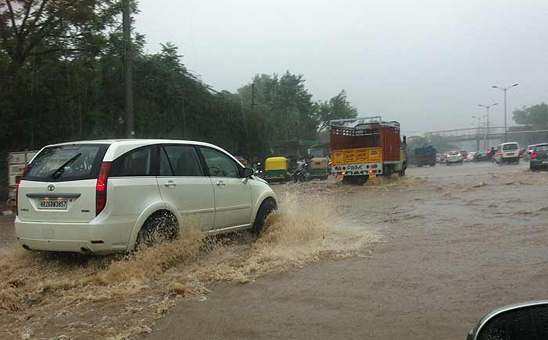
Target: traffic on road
{"points": [[273, 170]]}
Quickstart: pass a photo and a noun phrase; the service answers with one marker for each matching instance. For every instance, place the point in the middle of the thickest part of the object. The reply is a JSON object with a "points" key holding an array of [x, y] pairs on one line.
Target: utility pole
{"points": [[504, 89], [487, 107], [128, 74]]}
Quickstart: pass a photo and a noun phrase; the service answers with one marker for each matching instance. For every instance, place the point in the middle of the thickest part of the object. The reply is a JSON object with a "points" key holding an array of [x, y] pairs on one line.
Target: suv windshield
{"points": [[66, 163], [510, 147]]}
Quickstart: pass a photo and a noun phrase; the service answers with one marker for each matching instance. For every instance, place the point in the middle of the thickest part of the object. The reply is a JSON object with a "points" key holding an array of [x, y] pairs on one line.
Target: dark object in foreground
{"points": [[523, 321], [539, 157]]}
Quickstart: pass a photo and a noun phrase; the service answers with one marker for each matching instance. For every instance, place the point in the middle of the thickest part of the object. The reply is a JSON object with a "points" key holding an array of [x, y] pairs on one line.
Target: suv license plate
{"points": [[53, 205]]}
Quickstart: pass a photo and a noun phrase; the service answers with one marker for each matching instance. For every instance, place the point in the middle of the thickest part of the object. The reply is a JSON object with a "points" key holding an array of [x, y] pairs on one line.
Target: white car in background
{"points": [[507, 153], [454, 157], [109, 196]]}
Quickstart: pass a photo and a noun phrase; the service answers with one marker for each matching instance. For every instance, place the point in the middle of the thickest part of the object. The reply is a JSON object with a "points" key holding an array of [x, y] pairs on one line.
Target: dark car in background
{"points": [[539, 157], [481, 156]]}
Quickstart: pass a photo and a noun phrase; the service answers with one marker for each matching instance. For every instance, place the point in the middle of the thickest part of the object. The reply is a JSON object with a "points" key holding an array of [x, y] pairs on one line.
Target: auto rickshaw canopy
{"points": [[276, 163]]}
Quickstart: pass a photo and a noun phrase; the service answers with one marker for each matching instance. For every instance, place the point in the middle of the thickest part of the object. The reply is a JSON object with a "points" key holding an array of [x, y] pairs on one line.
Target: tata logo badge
{"points": [[51, 187]]}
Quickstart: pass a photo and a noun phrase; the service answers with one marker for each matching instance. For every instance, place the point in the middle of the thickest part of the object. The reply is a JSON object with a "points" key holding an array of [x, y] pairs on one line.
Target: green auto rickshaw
{"points": [[319, 168], [277, 169]]}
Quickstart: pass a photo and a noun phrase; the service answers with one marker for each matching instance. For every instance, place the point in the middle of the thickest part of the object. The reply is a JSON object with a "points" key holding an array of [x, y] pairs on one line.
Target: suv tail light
{"points": [[101, 188], [17, 189], [534, 155]]}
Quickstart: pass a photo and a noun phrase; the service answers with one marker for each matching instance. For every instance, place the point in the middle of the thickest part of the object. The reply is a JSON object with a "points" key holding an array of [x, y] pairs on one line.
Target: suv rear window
{"points": [[67, 163], [541, 148], [510, 147]]}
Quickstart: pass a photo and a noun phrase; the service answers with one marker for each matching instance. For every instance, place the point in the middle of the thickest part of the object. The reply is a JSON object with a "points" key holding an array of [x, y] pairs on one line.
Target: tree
{"points": [[535, 116], [286, 104], [337, 107], [38, 27]]}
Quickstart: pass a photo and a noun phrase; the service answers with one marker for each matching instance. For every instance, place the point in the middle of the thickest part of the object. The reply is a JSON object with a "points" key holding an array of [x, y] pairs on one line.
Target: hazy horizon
{"points": [[427, 64]]}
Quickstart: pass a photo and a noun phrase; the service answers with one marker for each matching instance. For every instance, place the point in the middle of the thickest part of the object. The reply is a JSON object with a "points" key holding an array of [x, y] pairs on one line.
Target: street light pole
{"points": [[487, 107], [128, 71], [504, 89]]}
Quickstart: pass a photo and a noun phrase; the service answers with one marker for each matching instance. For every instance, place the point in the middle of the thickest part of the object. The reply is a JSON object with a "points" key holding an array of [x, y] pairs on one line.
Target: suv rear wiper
{"points": [[57, 173]]}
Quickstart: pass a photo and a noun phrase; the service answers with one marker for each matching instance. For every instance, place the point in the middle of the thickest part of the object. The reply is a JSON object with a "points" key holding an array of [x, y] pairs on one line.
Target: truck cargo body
{"points": [[367, 149], [425, 155]]}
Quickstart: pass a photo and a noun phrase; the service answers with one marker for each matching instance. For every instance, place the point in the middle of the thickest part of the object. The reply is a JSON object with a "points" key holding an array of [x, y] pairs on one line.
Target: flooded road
{"points": [[414, 258], [457, 242]]}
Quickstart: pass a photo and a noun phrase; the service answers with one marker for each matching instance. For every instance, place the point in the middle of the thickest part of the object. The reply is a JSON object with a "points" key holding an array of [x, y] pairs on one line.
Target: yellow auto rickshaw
{"points": [[319, 168], [277, 169]]}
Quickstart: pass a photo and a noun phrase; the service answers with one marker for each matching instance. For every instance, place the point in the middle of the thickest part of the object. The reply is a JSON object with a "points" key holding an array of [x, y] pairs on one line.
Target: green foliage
{"points": [[535, 116], [63, 27], [62, 79], [285, 104], [337, 107]]}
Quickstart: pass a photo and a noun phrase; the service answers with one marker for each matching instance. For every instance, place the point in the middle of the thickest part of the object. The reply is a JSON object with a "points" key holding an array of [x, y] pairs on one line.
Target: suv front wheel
{"points": [[266, 208]]}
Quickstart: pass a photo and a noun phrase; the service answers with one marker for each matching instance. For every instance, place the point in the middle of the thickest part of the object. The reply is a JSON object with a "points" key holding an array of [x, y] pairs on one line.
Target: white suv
{"points": [[507, 153], [108, 196]]}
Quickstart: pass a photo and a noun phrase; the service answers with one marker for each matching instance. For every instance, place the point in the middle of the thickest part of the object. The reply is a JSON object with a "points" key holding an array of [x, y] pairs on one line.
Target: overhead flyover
{"points": [[522, 133]]}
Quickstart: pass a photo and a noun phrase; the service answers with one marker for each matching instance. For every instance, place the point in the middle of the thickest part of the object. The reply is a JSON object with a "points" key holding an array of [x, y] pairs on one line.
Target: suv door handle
{"points": [[170, 184], [221, 184]]}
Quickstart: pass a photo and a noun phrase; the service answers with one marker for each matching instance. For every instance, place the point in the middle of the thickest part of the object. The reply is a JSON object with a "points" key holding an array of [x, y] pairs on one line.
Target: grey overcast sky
{"points": [[425, 63]]}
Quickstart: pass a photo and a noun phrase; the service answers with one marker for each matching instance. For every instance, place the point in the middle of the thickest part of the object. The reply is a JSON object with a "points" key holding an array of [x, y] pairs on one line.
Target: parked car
{"points": [[109, 196], [539, 157], [454, 157], [507, 153]]}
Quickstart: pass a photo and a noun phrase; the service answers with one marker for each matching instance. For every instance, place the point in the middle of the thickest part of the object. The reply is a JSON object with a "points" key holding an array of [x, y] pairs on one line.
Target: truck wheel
{"points": [[401, 173], [388, 170]]}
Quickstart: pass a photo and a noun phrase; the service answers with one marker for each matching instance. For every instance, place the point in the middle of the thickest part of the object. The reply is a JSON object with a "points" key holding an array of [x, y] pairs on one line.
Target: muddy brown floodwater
{"points": [[417, 258]]}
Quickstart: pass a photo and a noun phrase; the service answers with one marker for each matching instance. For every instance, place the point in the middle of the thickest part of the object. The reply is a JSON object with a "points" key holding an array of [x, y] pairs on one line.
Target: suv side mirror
{"points": [[248, 172], [515, 322]]}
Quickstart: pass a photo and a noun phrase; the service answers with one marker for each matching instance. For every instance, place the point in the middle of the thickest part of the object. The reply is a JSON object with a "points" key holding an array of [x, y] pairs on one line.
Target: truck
{"points": [[372, 147], [425, 155], [16, 163]]}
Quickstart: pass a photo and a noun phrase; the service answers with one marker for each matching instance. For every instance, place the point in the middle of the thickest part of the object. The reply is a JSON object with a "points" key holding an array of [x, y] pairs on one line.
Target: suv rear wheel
{"points": [[159, 227]]}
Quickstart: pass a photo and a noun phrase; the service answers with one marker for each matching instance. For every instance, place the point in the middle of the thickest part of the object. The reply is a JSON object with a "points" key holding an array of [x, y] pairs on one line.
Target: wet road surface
{"points": [[458, 242], [444, 246]]}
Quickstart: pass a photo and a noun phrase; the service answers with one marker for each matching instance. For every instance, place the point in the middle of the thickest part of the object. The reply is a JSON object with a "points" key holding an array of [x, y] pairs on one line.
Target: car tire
{"points": [[160, 226], [266, 208]]}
